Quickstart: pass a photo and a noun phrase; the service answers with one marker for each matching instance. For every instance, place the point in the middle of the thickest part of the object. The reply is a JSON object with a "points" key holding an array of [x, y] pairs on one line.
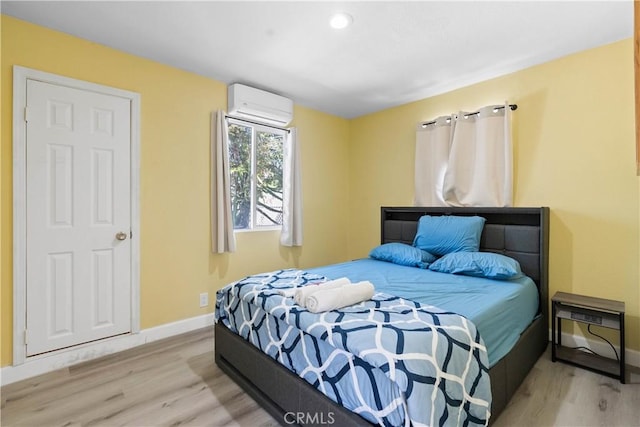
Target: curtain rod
{"points": [[512, 107], [257, 123]]}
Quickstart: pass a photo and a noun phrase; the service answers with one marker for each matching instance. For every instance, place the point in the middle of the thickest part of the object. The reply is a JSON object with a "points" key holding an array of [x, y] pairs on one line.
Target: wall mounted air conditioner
{"points": [[258, 105]]}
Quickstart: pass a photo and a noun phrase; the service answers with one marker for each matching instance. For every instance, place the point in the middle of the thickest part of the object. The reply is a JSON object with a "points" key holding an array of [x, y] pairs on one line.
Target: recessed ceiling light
{"points": [[340, 20]]}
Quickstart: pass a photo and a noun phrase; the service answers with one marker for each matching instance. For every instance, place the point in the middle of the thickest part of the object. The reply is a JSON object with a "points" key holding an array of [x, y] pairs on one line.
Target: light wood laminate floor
{"points": [[176, 382]]}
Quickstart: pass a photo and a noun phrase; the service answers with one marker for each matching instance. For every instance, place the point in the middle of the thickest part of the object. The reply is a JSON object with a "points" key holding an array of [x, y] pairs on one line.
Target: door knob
{"points": [[121, 235]]}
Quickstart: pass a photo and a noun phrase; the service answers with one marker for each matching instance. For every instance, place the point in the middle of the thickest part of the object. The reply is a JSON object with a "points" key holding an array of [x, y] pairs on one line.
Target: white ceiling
{"points": [[393, 53]]}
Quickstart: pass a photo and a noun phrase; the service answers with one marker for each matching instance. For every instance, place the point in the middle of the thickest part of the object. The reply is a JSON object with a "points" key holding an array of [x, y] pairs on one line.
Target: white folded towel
{"points": [[288, 293], [303, 292], [332, 299]]}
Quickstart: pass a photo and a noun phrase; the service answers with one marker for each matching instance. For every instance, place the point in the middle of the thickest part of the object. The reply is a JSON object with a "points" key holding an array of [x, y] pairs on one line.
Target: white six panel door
{"points": [[78, 207]]}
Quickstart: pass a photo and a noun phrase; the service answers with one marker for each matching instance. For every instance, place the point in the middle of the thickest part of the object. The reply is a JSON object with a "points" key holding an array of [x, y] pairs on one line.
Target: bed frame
{"points": [[520, 233]]}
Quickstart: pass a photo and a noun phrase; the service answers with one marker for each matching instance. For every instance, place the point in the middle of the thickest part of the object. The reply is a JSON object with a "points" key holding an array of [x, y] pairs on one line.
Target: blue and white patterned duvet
{"points": [[389, 359]]}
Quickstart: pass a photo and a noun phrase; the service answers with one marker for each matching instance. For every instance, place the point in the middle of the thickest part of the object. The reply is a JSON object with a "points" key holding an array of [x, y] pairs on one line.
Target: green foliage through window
{"points": [[256, 160]]}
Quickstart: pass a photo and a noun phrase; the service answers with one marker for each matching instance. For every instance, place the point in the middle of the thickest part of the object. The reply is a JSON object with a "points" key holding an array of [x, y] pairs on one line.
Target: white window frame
{"points": [[256, 127]]}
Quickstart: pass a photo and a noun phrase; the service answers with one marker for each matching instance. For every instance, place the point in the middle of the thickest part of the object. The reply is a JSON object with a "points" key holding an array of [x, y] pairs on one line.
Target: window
{"points": [[255, 161]]}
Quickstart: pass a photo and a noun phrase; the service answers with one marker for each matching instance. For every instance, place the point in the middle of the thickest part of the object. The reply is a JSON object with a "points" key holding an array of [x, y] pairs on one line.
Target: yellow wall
{"points": [[574, 151], [176, 264]]}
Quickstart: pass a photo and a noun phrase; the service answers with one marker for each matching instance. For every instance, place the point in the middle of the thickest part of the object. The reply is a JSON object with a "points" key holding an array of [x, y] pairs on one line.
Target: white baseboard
{"points": [[42, 364], [50, 362], [632, 357]]}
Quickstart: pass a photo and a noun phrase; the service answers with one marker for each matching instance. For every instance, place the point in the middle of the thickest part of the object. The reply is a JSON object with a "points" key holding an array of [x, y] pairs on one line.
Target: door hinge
{"points": [[25, 337], [131, 234], [26, 114]]}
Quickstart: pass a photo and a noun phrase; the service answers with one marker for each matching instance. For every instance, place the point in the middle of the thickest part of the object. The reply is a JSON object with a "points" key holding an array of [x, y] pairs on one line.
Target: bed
{"points": [[520, 233]]}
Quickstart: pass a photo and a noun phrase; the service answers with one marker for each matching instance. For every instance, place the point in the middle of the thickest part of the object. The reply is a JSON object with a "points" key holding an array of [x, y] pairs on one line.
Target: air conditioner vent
{"points": [[259, 105]]}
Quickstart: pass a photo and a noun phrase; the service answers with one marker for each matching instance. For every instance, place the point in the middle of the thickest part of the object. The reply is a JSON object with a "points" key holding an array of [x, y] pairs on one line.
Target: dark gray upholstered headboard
{"points": [[520, 233]]}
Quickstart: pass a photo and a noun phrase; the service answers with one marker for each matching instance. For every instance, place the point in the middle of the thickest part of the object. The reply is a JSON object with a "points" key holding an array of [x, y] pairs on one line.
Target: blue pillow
{"points": [[403, 254], [478, 264], [441, 235]]}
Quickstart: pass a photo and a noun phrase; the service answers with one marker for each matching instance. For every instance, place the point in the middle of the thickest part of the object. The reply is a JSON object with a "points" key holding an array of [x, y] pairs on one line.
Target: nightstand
{"points": [[594, 311]]}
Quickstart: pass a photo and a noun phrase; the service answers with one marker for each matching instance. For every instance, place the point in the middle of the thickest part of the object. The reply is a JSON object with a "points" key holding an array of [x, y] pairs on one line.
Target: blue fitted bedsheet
{"points": [[500, 309]]}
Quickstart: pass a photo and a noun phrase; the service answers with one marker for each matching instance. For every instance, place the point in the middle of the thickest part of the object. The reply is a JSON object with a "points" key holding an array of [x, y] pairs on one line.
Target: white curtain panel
{"points": [[222, 236], [480, 168], [291, 234], [432, 156]]}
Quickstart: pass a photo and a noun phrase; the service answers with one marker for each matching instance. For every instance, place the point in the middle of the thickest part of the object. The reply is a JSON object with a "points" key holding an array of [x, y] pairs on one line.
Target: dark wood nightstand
{"points": [[594, 311]]}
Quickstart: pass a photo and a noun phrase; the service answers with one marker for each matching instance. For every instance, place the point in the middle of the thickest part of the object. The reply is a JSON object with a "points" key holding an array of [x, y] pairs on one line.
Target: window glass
{"points": [[268, 178], [255, 161]]}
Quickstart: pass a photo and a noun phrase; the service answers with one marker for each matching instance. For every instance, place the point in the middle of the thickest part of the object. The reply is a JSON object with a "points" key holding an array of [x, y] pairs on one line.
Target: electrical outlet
{"points": [[204, 299]]}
